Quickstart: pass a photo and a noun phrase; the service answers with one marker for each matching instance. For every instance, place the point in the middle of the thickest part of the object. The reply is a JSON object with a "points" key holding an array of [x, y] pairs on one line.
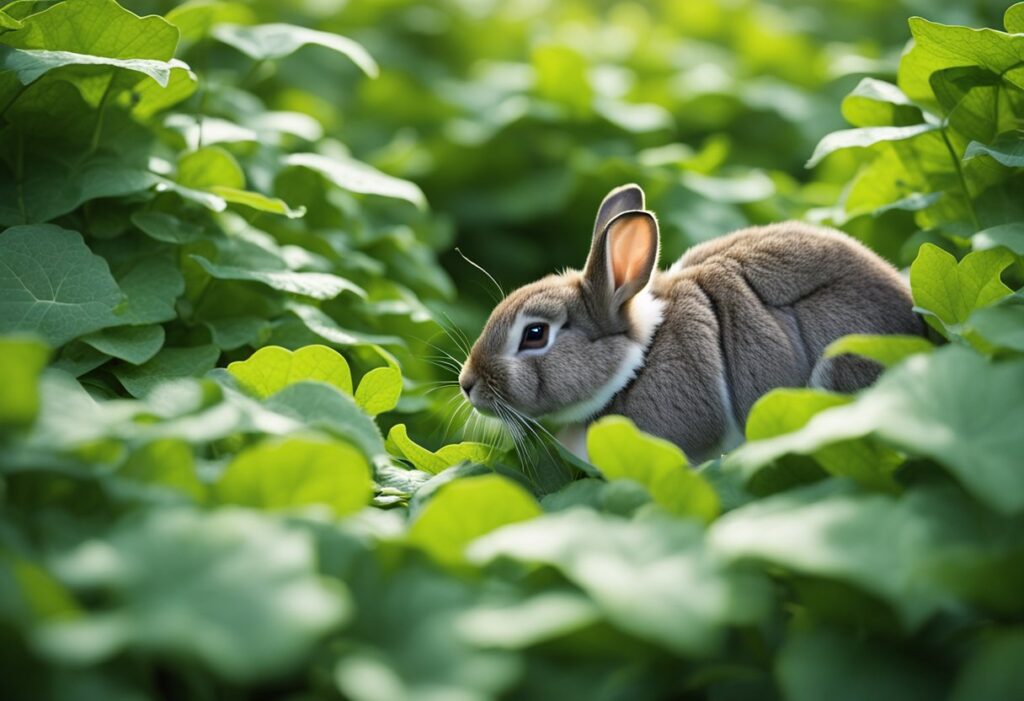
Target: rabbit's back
{"points": [[753, 311]]}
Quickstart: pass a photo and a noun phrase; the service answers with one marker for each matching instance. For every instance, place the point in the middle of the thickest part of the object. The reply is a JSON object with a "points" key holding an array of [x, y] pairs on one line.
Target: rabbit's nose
{"points": [[467, 383]]}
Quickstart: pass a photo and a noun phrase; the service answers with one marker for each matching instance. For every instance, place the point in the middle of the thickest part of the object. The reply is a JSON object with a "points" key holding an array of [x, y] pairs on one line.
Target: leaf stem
{"points": [[98, 129], [960, 176]]}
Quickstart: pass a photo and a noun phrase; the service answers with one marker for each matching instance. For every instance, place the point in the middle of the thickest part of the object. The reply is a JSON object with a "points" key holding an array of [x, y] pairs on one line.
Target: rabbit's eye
{"points": [[534, 336]]}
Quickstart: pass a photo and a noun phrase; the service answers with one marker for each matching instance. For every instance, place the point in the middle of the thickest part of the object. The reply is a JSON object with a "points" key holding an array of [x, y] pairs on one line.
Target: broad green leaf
{"points": [[887, 350], [167, 463], [951, 405], [270, 42], [464, 510], [208, 167], [864, 137], [620, 451], [1013, 20], [937, 46], [875, 103], [28, 65], [1008, 149], [400, 445], [1001, 324], [920, 552], [993, 672], [234, 590], [166, 227], [196, 18], [823, 664], [135, 344], [297, 472], [22, 359], [148, 97], [234, 332], [326, 328], [1009, 235], [379, 390], [354, 176], [257, 201], [52, 285], [783, 411], [315, 285], [652, 578], [326, 408], [271, 369], [151, 286], [546, 616], [169, 363], [952, 290]]}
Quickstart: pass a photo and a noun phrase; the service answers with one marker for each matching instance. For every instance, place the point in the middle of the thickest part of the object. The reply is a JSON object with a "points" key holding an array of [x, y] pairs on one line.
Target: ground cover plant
{"points": [[232, 464]]}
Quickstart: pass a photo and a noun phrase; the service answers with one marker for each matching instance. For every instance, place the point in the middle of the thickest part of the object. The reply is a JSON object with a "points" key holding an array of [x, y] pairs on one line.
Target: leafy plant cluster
{"points": [[202, 497]]}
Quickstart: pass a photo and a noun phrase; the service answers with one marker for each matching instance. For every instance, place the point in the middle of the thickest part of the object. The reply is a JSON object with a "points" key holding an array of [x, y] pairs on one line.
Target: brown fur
{"points": [[756, 307]]}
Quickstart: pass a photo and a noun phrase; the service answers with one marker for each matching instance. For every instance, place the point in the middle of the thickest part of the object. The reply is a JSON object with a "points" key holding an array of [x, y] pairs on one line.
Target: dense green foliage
{"points": [[225, 472]]}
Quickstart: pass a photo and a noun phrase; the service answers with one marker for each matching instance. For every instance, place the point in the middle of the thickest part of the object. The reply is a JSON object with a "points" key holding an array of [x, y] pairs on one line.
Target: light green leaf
{"points": [[617, 448], [271, 369], [196, 18], [257, 201], [148, 97], [1008, 149], [324, 407], [315, 285], [173, 582], [355, 176], [269, 42], [28, 65], [952, 290], [400, 445], [167, 463], [464, 510], [326, 328], [297, 472], [875, 103], [1001, 324], [166, 227], [951, 405], [22, 360], [379, 390], [52, 285], [1009, 235], [1013, 20], [652, 578], [887, 350], [208, 167], [863, 138], [546, 616], [135, 344], [169, 363]]}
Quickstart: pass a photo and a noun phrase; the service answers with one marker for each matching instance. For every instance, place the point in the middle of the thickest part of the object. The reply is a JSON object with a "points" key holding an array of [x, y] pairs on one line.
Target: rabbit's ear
{"points": [[626, 198], [622, 258]]}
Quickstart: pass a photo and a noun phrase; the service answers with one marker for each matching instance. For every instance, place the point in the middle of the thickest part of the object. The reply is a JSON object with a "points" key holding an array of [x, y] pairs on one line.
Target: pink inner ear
{"points": [[632, 247]]}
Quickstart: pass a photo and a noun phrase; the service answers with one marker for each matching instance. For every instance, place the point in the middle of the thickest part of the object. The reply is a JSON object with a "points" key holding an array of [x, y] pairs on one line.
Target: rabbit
{"points": [[685, 352]]}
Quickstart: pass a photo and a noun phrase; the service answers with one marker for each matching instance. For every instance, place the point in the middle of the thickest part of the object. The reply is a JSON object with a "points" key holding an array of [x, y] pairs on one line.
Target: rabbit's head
{"points": [[563, 346]]}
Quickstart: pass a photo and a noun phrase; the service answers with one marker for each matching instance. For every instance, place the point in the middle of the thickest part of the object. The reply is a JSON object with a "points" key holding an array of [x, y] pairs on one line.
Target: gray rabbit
{"points": [[684, 352]]}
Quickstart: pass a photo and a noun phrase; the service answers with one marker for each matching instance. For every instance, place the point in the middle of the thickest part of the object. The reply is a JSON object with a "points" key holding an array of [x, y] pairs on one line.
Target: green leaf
{"points": [[822, 664], [863, 138], [617, 448], [297, 472], [325, 407], [166, 463], [1001, 324], [464, 510], [400, 445], [993, 672], [135, 344], [652, 578], [951, 405], [271, 369], [1009, 235], [325, 327], [166, 227], [168, 364], [1013, 20], [1008, 149], [355, 176], [28, 65], [315, 285], [257, 201], [875, 103], [151, 285], [148, 97], [234, 590], [210, 166], [51, 284], [234, 332], [270, 42], [952, 290], [379, 390], [22, 360], [887, 350], [196, 18], [546, 616]]}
